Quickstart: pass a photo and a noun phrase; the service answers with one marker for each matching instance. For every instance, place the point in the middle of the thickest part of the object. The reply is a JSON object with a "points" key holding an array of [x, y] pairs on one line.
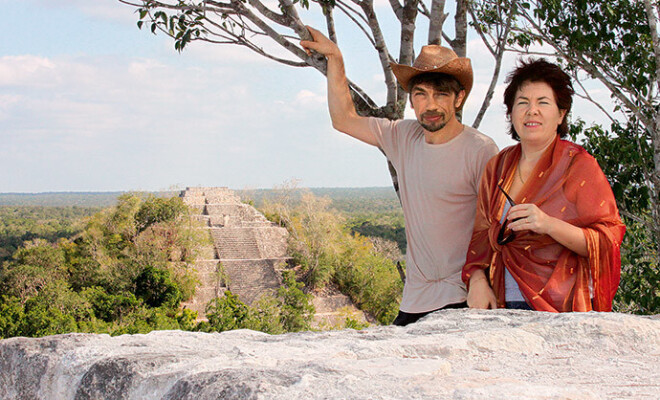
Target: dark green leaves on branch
{"points": [[184, 25]]}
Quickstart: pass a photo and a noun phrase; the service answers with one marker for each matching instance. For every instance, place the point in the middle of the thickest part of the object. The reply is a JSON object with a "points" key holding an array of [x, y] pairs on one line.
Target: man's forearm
{"points": [[340, 102]]}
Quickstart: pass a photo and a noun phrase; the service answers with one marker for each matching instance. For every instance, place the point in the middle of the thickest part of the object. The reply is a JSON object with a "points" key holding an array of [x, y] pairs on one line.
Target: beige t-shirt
{"points": [[438, 187]]}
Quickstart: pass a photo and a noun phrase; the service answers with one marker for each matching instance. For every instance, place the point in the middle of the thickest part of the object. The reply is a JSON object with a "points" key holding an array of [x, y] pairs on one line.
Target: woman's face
{"points": [[535, 115]]}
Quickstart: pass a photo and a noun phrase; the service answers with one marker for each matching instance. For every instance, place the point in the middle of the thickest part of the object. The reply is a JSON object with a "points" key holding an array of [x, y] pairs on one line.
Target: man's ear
{"points": [[460, 96]]}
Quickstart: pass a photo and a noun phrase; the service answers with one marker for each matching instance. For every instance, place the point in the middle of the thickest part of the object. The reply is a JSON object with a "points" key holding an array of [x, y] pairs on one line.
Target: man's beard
{"points": [[435, 126]]}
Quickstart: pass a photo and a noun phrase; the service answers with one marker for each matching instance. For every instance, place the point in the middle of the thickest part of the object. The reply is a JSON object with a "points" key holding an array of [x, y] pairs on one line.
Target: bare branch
{"points": [[498, 54], [345, 9], [330, 24], [585, 95], [295, 24], [397, 8], [383, 54], [406, 50], [480, 31], [316, 61], [266, 12], [424, 10]]}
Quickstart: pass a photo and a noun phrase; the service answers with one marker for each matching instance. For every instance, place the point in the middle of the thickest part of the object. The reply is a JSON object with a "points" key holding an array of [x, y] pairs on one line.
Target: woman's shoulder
{"points": [[506, 152], [579, 154]]}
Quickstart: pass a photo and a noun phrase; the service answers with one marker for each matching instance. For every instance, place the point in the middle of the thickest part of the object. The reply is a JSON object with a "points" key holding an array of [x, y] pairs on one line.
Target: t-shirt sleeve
{"points": [[385, 133]]}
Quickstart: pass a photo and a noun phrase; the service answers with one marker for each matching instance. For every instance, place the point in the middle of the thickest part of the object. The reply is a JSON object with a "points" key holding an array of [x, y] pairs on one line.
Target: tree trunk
{"points": [[436, 21], [459, 44], [654, 133]]}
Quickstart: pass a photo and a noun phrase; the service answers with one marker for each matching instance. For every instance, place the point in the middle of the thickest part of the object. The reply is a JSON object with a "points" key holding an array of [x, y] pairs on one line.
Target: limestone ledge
{"points": [[452, 354]]}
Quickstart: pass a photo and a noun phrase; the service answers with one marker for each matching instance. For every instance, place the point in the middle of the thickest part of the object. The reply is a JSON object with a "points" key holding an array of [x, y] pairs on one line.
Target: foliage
{"points": [[288, 310], [155, 287], [390, 227], [639, 292], [330, 254], [24, 223], [227, 313], [296, 310], [624, 157], [125, 272]]}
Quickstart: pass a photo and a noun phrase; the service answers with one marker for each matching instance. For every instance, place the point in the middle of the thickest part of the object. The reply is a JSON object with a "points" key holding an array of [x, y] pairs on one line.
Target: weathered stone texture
{"points": [[451, 354]]}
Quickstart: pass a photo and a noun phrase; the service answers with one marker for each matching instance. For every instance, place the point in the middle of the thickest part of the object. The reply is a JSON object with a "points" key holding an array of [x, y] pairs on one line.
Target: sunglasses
{"points": [[502, 237]]}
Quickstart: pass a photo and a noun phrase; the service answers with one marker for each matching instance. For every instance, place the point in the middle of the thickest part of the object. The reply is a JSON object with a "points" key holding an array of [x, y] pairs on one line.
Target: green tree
{"points": [[55, 309], [125, 272], [227, 313], [11, 317], [155, 287], [35, 265], [296, 310]]}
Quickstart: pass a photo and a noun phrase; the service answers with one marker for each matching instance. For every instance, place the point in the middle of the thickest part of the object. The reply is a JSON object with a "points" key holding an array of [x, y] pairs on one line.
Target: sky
{"points": [[88, 102]]}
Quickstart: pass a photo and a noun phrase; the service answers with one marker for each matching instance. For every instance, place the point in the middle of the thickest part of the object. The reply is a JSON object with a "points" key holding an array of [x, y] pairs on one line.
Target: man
{"points": [[438, 160]]}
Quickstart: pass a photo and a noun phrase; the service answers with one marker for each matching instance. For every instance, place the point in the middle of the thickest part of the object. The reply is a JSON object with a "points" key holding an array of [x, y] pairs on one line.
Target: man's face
{"points": [[434, 108]]}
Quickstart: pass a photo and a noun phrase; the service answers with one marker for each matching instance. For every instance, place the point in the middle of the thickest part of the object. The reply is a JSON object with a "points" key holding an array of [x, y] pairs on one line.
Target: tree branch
{"points": [[499, 54], [383, 54]]}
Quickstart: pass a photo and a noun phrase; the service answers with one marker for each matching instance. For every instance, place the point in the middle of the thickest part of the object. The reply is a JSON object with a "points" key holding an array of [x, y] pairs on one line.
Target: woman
{"points": [[553, 244]]}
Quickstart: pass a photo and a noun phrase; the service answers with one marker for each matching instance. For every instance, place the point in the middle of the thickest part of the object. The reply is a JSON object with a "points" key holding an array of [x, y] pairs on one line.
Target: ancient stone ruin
{"points": [[247, 256], [247, 251]]}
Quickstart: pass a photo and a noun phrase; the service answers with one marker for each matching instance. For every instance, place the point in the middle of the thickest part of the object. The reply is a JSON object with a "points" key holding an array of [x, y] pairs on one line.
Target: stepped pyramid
{"points": [[247, 249]]}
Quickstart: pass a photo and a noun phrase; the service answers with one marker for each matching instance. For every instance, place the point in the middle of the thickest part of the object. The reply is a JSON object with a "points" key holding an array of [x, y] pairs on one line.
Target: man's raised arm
{"points": [[342, 110]]}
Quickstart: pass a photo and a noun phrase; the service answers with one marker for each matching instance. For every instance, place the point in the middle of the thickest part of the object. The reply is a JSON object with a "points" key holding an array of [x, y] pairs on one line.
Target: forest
{"points": [[127, 268]]}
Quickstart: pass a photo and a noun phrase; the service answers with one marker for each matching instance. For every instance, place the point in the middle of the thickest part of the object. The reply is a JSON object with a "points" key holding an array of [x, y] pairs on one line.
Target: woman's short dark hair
{"points": [[539, 70]]}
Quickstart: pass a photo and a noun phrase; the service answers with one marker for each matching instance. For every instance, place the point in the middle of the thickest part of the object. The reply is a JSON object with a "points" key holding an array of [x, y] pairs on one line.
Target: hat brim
{"points": [[459, 68]]}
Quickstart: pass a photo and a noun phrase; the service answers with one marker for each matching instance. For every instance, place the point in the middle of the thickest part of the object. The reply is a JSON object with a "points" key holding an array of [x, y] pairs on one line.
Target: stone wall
{"points": [[450, 354]]}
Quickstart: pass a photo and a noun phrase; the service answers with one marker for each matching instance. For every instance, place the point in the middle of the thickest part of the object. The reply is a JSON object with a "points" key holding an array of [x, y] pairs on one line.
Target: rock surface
{"points": [[453, 354]]}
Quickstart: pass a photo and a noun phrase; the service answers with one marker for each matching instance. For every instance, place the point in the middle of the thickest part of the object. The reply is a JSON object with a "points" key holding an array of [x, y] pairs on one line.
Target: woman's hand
{"points": [[480, 294], [529, 217]]}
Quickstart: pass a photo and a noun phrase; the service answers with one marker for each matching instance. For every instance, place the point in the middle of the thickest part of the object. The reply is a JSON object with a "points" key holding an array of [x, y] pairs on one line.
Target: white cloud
{"points": [[307, 98], [26, 70]]}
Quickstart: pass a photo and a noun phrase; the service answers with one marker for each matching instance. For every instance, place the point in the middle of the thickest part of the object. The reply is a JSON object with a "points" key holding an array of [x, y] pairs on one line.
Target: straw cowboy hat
{"points": [[435, 58]]}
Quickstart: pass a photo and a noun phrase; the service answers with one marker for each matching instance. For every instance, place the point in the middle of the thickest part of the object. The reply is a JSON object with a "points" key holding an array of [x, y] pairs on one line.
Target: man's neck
{"points": [[444, 135]]}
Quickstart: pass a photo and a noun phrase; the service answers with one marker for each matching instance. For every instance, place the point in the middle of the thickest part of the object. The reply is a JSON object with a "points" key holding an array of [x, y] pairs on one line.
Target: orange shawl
{"points": [[568, 184]]}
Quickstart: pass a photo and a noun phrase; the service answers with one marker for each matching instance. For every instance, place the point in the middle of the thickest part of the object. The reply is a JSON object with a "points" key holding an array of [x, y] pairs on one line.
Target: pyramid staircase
{"points": [[247, 249]]}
